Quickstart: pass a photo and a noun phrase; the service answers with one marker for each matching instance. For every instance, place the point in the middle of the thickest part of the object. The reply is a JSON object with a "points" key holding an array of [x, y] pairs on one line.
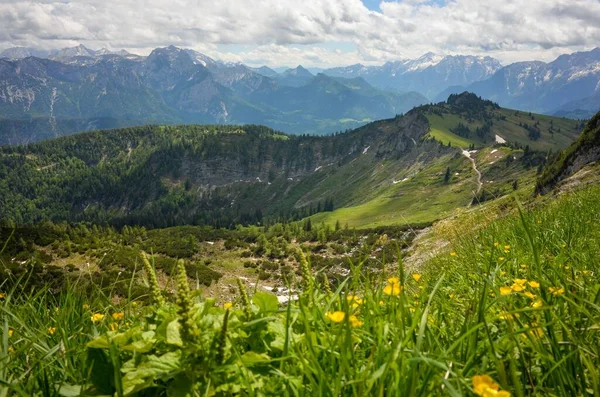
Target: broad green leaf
{"points": [[251, 358], [277, 330], [70, 390], [266, 302], [100, 342], [173, 334], [153, 369], [181, 386], [101, 371]]}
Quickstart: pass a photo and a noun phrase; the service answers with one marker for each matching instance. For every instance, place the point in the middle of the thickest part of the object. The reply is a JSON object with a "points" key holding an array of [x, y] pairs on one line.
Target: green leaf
{"points": [[154, 368], [70, 391], [182, 386], [101, 371], [101, 342], [173, 335], [251, 358], [266, 302], [277, 330]]}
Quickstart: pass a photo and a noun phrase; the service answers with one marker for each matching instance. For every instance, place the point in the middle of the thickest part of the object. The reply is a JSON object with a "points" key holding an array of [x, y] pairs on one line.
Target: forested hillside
{"points": [[162, 176]]}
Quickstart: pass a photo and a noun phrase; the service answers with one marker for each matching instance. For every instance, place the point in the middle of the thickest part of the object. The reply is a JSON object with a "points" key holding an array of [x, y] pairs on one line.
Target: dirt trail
{"points": [[467, 154]]}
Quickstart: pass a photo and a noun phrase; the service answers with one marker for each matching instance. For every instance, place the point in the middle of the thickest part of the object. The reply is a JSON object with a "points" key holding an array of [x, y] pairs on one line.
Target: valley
{"points": [[186, 259]]}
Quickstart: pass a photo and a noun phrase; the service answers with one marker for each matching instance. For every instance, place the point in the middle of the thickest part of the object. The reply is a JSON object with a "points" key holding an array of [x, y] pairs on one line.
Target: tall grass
{"points": [[517, 301]]}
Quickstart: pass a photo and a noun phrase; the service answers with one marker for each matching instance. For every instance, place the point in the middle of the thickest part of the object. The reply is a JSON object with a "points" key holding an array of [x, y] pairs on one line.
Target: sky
{"points": [[313, 33]]}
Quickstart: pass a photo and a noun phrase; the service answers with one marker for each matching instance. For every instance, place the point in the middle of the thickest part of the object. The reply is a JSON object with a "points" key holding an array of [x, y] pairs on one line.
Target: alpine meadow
{"points": [[344, 198]]}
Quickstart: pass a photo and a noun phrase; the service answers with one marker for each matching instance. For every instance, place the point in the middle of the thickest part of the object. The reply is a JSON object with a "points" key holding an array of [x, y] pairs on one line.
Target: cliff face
{"points": [[584, 151]]}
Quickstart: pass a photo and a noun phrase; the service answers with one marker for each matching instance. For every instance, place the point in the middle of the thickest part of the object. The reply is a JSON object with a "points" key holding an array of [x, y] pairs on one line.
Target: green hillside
{"points": [[584, 151], [388, 172], [465, 120]]}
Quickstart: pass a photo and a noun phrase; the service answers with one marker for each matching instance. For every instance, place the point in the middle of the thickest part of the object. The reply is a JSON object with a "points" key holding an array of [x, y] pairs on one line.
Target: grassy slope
{"points": [[421, 198], [508, 129], [453, 320]]}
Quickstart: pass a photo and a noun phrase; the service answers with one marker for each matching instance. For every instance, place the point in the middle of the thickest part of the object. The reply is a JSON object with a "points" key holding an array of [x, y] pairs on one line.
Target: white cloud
{"points": [[289, 32]]}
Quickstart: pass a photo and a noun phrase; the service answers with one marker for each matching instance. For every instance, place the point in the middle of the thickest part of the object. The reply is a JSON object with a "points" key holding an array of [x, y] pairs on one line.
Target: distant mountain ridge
{"points": [[568, 86], [78, 87], [86, 89], [429, 74]]}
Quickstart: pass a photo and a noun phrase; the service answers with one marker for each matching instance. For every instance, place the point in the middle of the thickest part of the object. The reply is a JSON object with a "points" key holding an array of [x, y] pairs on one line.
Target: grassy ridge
{"points": [[516, 301], [513, 126]]}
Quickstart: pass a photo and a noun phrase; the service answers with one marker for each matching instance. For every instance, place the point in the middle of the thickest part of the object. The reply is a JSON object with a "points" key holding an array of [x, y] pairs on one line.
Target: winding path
{"points": [[467, 154]]}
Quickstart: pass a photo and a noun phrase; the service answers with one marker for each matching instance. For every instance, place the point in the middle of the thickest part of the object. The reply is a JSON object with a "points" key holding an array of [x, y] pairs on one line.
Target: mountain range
{"points": [[568, 86], [78, 89], [44, 95], [429, 74]]}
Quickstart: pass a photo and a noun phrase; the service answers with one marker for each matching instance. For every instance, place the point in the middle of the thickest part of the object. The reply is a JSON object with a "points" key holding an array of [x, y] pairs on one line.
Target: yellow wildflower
{"points": [[97, 317], [393, 280], [483, 385], [537, 304], [113, 326], [354, 321], [2, 295], [534, 284], [10, 350], [354, 300], [505, 290], [227, 305], [508, 316], [502, 273], [556, 291], [523, 266], [520, 281], [118, 316], [535, 330], [392, 289], [453, 253], [507, 247], [336, 317], [51, 330], [501, 258], [10, 332], [529, 295], [496, 244], [416, 276], [517, 287]]}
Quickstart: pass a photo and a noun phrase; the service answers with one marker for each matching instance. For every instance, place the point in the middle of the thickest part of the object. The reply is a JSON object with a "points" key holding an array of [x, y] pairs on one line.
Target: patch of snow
{"points": [[493, 151], [499, 139], [318, 168], [366, 149]]}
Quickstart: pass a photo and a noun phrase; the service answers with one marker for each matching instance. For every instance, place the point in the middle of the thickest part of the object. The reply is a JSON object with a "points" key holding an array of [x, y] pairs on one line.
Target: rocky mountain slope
{"points": [[429, 74], [543, 87]]}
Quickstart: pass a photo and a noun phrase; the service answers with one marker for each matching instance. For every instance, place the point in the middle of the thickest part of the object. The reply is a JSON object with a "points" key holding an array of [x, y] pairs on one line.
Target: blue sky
{"points": [[314, 33]]}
